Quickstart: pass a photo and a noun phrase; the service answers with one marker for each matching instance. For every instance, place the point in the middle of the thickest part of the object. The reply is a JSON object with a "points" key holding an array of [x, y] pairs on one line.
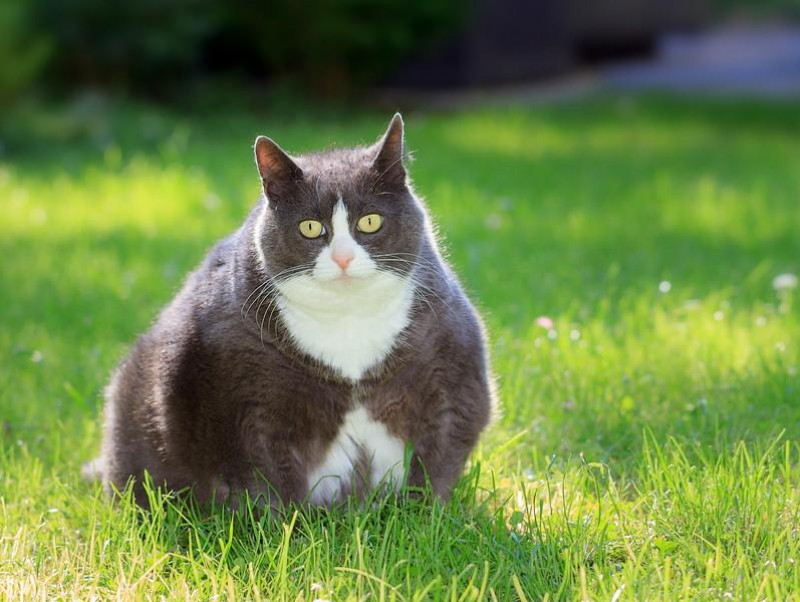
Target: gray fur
{"points": [[216, 397]]}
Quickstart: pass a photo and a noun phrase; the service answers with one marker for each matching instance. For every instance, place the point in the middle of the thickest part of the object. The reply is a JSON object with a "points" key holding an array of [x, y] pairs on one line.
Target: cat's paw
{"points": [[93, 470]]}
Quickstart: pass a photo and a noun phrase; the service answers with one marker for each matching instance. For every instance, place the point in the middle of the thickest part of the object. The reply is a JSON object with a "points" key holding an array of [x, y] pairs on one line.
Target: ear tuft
{"points": [[390, 154], [274, 164]]}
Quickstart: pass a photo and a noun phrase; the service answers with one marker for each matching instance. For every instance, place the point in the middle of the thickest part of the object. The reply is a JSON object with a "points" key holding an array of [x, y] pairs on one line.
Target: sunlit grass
{"points": [[648, 442]]}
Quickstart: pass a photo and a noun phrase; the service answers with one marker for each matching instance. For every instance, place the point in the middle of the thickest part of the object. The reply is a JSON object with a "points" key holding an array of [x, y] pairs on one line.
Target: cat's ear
{"points": [[390, 154], [275, 166]]}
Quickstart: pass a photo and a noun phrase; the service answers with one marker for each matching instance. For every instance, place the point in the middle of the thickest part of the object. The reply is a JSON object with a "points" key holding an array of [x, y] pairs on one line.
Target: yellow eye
{"points": [[370, 223], [311, 228]]}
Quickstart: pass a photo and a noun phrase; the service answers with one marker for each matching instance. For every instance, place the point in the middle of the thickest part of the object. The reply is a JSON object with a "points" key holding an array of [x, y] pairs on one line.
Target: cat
{"points": [[323, 350]]}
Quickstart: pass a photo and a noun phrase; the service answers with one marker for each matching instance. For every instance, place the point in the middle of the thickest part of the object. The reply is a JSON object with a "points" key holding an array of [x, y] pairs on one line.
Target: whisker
{"points": [[418, 260], [406, 262], [391, 258], [272, 311], [265, 297], [257, 288], [264, 292], [413, 264], [292, 270], [420, 291], [428, 303], [432, 291], [261, 325], [270, 284], [271, 294]]}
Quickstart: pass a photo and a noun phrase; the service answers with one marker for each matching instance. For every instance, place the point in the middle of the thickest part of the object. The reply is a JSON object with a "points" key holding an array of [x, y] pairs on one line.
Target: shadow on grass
{"points": [[382, 546]]}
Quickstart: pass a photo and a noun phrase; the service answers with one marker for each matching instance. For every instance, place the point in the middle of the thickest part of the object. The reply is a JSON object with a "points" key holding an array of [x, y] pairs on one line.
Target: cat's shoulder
{"points": [[454, 320]]}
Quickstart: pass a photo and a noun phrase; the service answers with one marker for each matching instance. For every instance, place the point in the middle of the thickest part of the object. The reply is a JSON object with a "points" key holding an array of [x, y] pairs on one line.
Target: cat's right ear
{"points": [[274, 165], [389, 155]]}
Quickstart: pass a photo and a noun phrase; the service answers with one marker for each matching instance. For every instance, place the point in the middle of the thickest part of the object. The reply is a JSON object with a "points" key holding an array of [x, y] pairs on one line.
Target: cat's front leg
{"points": [[457, 410], [275, 475]]}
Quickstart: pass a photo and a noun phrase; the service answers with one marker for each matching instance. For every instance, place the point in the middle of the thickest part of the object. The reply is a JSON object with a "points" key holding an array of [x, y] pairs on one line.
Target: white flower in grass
{"points": [[784, 282], [494, 221], [211, 202]]}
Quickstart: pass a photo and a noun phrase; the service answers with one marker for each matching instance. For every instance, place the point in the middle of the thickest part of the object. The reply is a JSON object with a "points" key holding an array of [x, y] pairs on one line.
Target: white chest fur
{"points": [[361, 441], [350, 326]]}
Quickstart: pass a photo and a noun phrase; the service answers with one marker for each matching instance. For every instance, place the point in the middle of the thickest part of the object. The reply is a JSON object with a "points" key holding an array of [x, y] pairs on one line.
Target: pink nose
{"points": [[342, 258]]}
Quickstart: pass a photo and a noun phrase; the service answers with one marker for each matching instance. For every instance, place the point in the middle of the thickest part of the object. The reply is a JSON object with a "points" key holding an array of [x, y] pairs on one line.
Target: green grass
{"points": [[649, 442]]}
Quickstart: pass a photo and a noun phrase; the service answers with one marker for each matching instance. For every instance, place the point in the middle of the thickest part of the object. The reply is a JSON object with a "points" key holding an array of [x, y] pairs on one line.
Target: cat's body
{"points": [[301, 367]]}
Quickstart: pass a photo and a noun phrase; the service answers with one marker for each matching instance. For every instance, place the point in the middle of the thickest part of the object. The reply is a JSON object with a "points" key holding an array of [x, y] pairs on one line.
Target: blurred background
{"points": [[185, 52]]}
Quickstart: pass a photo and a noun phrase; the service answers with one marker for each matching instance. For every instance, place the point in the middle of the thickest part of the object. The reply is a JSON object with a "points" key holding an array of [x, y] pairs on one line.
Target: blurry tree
{"points": [[23, 51], [335, 45], [155, 46], [143, 44]]}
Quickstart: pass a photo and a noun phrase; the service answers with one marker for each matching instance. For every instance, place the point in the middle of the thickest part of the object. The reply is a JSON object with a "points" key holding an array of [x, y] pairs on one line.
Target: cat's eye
{"points": [[370, 223], [311, 228]]}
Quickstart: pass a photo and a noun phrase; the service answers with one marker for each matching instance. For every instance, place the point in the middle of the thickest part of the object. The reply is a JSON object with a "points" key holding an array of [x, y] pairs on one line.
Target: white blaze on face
{"points": [[343, 256], [347, 312], [343, 247]]}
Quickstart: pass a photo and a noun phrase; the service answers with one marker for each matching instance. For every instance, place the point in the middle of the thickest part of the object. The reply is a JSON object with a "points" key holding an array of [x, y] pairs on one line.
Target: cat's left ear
{"points": [[277, 169], [390, 154]]}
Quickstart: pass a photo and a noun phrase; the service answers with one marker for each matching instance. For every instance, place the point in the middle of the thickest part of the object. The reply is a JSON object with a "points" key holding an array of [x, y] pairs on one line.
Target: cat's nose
{"points": [[342, 258]]}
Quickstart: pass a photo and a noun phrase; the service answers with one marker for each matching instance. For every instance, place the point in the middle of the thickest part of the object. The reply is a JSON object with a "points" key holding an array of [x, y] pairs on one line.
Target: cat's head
{"points": [[340, 217]]}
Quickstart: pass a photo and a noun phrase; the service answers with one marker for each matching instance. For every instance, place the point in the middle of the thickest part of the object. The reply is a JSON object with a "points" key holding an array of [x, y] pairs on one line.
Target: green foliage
{"points": [[146, 44], [648, 443], [156, 47], [334, 45], [23, 52]]}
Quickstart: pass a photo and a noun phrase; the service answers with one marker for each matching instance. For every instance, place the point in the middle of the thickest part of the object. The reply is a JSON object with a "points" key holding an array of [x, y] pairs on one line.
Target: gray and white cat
{"points": [[310, 350]]}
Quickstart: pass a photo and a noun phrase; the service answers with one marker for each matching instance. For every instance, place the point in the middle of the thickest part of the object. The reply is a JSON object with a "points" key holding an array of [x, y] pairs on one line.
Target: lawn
{"points": [[627, 255]]}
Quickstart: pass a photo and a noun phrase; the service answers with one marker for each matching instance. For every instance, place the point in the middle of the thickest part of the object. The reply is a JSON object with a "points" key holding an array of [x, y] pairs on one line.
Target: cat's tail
{"points": [[93, 470]]}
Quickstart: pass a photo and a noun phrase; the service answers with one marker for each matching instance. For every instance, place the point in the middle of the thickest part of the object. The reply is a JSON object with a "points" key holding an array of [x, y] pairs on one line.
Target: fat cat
{"points": [[323, 350]]}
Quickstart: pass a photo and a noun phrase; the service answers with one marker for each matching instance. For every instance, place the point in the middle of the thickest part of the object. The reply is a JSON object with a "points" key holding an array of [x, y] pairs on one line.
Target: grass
{"points": [[649, 440]]}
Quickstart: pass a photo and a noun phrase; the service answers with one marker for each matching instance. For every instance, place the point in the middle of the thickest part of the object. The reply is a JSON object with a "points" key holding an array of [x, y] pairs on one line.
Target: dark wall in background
{"points": [[505, 41]]}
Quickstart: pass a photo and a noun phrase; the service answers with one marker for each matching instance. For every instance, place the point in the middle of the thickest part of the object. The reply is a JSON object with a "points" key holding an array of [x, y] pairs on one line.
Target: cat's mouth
{"points": [[343, 277], [347, 279]]}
